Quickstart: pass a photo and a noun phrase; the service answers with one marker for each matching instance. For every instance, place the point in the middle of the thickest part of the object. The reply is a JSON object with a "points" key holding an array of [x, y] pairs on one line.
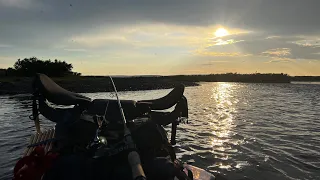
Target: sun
{"points": [[221, 32]]}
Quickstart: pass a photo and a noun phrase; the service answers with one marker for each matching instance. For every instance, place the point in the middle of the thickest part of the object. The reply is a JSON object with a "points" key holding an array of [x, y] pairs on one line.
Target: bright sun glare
{"points": [[221, 32]]}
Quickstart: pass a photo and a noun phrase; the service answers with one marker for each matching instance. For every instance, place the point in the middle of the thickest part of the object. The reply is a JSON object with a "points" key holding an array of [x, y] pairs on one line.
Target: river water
{"points": [[235, 130]]}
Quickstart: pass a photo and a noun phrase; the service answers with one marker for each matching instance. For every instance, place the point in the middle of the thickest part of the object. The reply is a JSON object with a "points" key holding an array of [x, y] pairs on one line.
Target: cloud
{"points": [[76, 50], [278, 55], [278, 52], [210, 63], [280, 59], [261, 14], [308, 42], [99, 40], [260, 43], [5, 46], [273, 37], [58, 20], [169, 31], [220, 42], [221, 54], [20, 4], [146, 35]]}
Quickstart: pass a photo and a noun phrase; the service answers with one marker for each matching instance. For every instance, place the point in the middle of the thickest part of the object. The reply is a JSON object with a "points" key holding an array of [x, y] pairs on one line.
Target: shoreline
{"points": [[92, 84], [23, 85]]}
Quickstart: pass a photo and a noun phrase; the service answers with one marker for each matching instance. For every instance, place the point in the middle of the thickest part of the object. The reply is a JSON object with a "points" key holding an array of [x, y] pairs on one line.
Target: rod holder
{"points": [[35, 113], [174, 132]]}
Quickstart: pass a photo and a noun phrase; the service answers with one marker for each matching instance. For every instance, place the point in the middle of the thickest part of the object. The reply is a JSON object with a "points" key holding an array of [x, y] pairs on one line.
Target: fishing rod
{"points": [[133, 156]]}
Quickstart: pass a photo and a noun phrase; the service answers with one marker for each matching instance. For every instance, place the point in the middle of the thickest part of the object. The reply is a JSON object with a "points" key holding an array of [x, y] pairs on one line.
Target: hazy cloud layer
{"points": [[38, 18], [169, 29]]}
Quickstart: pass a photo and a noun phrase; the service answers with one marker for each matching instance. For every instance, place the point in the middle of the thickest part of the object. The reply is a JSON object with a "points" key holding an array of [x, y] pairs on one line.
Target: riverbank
{"points": [[90, 84]]}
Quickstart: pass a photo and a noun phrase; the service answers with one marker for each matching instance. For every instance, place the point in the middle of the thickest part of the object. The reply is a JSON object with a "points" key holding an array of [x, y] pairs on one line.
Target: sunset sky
{"points": [[146, 37]]}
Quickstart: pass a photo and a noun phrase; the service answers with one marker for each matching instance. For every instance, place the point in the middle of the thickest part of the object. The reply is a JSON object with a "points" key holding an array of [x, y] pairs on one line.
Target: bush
{"points": [[33, 65]]}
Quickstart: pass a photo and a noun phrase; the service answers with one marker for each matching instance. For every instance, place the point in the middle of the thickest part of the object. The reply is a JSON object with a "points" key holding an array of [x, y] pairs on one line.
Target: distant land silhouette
{"points": [[28, 67], [18, 80]]}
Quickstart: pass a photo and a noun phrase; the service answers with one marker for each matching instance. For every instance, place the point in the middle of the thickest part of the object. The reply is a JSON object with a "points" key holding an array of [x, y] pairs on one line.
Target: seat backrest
{"points": [[60, 96], [110, 108]]}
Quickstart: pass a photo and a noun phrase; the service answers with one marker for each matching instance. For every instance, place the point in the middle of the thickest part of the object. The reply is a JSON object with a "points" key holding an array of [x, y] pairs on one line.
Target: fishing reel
{"points": [[110, 137]]}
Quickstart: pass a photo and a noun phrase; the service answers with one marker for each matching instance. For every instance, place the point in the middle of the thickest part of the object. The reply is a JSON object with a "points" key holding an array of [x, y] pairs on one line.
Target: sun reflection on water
{"points": [[222, 121]]}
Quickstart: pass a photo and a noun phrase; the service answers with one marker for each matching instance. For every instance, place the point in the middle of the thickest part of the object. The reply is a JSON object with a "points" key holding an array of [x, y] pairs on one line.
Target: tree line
{"points": [[30, 66]]}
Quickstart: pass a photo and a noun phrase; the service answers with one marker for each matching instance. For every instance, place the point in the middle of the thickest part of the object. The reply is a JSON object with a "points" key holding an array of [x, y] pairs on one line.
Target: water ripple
{"points": [[236, 130]]}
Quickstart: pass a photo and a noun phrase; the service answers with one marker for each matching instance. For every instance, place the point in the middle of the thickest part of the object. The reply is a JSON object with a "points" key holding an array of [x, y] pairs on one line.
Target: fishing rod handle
{"points": [[135, 164]]}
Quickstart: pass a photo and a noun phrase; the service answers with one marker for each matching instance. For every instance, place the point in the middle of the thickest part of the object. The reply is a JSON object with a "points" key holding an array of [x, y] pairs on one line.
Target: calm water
{"points": [[239, 131]]}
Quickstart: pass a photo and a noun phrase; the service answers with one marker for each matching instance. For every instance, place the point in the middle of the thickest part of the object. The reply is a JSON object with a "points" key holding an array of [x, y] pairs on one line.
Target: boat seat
{"points": [[110, 108], [56, 94], [60, 96]]}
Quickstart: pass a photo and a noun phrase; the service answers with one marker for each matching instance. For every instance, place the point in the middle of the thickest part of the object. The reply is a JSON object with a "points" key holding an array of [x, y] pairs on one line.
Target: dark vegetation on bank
{"points": [[306, 78], [18, 80], [28, 67]]}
